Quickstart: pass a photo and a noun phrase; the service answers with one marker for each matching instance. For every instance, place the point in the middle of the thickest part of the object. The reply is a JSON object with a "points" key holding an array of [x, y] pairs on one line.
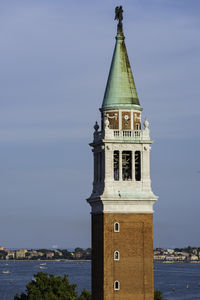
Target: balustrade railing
{"points": [[127, 133], [121, 135]]}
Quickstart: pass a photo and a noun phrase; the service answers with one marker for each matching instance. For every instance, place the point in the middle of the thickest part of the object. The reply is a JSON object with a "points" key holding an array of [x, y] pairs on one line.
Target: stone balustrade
{"points": [[122, 135]]}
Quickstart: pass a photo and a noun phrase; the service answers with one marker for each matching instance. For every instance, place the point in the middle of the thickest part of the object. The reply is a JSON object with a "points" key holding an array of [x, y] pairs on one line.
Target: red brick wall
{"points": [[134, 270]]}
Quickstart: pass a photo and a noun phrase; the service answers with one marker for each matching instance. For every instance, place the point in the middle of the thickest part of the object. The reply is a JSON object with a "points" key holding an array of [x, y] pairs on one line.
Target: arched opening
{"points": [[116, 165], [116, 227], [116, 255], [127, 165], [116, 285], [137, 166]]}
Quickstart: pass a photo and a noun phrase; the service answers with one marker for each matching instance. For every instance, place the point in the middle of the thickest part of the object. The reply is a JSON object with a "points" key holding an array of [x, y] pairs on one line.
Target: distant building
{"points": [[170, 251], [58, 252], [194, 257], [49, 254], [21, 253], [10, 254], [78, 255]]}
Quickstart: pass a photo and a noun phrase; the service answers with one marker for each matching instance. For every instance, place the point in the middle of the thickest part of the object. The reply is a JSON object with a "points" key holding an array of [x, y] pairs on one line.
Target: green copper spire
{"points": [[120, 89]]}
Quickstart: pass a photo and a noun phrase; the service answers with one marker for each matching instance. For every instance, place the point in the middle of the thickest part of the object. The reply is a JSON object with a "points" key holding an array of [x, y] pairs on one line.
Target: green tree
{"points": [[66, 254], [3, 254], [158, 295], [78, 249], [50, 287], [85, 295]]}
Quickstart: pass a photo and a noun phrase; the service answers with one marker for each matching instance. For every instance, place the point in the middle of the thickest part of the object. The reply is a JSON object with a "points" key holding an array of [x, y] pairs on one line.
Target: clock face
{"points": [[126, 120]]}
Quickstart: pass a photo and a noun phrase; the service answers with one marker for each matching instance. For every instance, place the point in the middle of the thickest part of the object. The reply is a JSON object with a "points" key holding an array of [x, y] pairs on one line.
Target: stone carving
{"points": [[96, 134], [146, 129], [106, 123], [96, 126], [111, 117], [146, 123]]}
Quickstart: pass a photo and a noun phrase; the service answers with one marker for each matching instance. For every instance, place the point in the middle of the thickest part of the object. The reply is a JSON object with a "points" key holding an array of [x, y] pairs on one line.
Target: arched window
{"points": [[116, 165], [127, 165], [116, 255], [116, 285], [116, 227], [137, 166], [137, 126]]}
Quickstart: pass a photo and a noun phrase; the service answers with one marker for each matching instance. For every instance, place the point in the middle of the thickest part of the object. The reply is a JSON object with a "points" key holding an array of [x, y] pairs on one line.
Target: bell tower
{"points": [[122, 199]]}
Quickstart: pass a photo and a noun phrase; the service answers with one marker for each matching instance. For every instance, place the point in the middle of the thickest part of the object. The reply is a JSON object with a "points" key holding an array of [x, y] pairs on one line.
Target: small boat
{"points": [[42, 267], [43, 264], [5, 272], [187, 286], [199, 283]]}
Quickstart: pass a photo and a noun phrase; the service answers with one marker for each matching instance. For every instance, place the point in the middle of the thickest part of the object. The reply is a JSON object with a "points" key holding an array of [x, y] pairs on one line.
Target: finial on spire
{"points": [[119, 17]]}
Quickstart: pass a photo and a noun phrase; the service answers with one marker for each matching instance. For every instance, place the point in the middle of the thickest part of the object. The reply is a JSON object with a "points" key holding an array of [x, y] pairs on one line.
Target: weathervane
{"points": [[119, 17]]}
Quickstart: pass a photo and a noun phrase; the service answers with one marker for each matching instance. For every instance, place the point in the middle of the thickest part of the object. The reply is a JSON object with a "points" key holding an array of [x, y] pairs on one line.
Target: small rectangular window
{"points": [[116, 165], [137, 166], [127, 165]]}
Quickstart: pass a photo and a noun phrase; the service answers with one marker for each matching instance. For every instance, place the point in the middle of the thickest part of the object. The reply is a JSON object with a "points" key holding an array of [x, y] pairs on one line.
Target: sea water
{"points": [[176, 281]]}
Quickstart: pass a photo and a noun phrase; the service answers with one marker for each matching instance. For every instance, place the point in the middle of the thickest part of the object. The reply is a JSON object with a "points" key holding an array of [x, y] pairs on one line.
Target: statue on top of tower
{"points": [[119, 17], [119, 13]]}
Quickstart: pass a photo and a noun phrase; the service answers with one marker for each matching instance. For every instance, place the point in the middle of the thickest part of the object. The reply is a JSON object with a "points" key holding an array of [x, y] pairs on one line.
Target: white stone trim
{"points": [[122, 206]]}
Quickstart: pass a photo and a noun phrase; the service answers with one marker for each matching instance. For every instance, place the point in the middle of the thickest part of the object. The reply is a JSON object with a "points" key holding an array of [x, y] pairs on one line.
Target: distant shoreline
{"points": [[46, 260], [89, 260]]}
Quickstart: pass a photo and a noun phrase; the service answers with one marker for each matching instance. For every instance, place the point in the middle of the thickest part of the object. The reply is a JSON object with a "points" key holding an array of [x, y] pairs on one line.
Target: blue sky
{"points": [[55, 59]]}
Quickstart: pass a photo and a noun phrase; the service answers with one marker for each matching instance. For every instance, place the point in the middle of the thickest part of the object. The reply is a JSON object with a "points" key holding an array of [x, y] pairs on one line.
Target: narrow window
{"points": [[116, 227], [127, 165], [116, 165], [116, 255], [116, 285], [137, 166], [137, 126]]}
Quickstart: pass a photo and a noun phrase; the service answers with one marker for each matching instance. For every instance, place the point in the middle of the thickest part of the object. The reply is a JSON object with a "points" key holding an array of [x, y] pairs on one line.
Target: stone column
{"points": [[120, 165], [133, 165]]}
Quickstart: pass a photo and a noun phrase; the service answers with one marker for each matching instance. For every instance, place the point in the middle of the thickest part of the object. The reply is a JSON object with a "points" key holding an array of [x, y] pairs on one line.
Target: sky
{"points": [[54, 63]]}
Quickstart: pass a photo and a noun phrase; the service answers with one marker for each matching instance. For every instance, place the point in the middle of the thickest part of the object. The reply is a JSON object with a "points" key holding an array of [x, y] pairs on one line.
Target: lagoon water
{"points": [[177, 281]]}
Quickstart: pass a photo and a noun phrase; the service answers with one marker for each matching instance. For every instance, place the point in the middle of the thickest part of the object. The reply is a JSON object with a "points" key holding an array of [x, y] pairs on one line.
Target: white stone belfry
{"points": [[121, 193]]}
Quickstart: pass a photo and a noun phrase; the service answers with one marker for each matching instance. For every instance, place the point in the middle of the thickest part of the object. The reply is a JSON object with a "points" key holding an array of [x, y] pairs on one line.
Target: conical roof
{"points": [[120, 89]]}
